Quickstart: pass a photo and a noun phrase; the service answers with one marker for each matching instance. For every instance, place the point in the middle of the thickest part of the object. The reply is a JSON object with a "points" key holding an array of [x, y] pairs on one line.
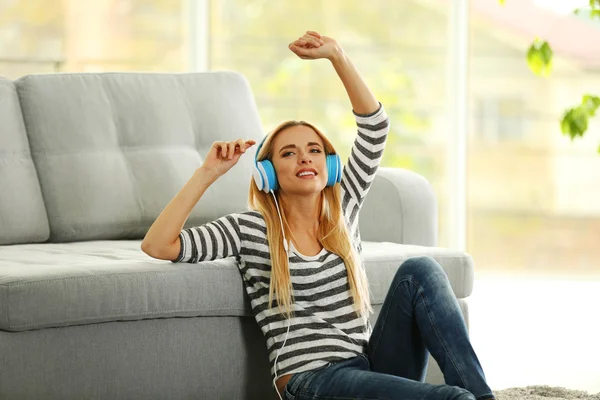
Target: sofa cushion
{"points": [[112, 149], [23, 217], [62, 284]]}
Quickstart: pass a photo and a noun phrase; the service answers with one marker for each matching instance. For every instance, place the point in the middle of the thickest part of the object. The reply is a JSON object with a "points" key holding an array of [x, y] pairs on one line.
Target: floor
{"points": [[537, 330]]}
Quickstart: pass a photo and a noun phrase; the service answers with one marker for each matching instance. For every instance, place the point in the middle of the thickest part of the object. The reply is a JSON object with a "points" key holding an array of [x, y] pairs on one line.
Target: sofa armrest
{"points": [[400, 207], [382, 260]]}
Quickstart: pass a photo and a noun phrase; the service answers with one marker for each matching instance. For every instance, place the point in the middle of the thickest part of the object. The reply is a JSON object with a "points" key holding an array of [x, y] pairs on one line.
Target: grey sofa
{"points": [[87, 162]]}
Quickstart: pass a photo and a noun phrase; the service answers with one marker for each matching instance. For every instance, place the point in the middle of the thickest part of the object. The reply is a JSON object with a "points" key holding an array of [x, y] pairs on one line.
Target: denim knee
{"points": [[463, 394], [421, 268], [447, 392]]}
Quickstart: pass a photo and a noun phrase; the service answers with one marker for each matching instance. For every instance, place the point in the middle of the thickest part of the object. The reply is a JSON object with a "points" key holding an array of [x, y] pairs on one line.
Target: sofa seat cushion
{"points": [[62, 284]]}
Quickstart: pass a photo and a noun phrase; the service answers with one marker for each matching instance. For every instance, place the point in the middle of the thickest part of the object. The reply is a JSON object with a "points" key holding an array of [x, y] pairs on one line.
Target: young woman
{"points": [[310, 295]]}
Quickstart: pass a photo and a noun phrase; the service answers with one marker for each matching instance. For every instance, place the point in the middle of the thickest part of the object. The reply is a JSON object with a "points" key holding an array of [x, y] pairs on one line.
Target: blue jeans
{"points": [[420, 314]]}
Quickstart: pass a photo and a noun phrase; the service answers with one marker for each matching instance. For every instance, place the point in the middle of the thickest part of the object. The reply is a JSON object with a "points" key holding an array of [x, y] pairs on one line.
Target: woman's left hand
{"points": [[313, 46]]}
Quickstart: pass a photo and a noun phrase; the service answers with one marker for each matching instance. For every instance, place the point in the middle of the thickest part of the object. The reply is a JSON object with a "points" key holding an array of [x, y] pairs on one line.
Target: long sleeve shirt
{"points": [[324, 327]]}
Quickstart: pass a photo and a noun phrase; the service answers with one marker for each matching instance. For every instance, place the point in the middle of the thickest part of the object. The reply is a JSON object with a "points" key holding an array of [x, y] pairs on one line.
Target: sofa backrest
{"points": [[112, 149], [23, 217]]}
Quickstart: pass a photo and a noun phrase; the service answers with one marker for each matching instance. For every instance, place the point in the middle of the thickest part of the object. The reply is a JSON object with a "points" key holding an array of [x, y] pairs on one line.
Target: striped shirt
{"points": [[324, 328]]}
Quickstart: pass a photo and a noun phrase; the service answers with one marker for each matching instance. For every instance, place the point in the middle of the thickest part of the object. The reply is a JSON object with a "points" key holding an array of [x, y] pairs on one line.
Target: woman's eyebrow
{"points": [[294, 146]]}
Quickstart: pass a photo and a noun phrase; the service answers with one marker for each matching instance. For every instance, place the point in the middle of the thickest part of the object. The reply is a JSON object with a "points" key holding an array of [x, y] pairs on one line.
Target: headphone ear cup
{"points": [[339, 169], [333, 169], [269, 175], [258, 175], [330, 170], [263, 172]]}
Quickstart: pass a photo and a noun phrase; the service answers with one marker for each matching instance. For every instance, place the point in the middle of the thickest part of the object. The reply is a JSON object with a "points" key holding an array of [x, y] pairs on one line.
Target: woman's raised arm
{"points": [[313, 46]]}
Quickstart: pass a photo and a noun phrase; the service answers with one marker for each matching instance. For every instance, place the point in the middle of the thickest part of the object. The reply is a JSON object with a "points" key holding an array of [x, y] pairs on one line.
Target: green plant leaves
{"points": [[593, 11], [591, 104], [575, 120], [539, 58]]}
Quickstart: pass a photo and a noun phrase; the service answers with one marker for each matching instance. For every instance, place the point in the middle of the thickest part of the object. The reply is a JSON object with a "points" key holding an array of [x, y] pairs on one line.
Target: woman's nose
{"points": [[305, 158]]}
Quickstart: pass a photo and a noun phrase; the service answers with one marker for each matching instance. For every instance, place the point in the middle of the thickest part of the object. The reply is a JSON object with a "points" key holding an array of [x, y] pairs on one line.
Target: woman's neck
{"points": [[305, 229], [302, 215]]}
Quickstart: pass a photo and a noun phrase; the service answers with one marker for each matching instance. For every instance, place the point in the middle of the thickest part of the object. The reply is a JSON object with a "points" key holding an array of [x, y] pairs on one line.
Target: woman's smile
{"points": [[307, 176]]}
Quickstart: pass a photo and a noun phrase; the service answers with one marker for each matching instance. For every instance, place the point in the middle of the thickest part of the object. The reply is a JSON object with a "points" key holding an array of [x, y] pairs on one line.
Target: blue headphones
{"points": [[266, 179]]}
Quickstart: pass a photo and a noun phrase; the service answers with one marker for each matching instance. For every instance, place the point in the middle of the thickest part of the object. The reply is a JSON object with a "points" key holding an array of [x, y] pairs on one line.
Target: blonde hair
{"points": [[332, 234]]}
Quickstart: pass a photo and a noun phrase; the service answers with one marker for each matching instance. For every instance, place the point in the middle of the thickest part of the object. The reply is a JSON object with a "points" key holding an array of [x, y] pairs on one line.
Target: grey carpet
{"points": [[543, 393]]}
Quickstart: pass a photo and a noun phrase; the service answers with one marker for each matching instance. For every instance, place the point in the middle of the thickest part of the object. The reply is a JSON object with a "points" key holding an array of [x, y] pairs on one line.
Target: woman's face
{"points": [[296, 148]]}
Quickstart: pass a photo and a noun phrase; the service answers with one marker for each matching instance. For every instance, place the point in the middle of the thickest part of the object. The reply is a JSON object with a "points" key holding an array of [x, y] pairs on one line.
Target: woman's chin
{"points": [[309, 186]]}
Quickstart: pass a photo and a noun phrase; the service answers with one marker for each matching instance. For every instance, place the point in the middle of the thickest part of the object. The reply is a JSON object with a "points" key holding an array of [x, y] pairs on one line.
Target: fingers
{"points": [[307, 41], [318, 39], [313, 33], [303, 43], [240, 143], [223, 147], [233, 145], [227, 149], [250, 143], [243, 145], [230, 149], [315, 42]]}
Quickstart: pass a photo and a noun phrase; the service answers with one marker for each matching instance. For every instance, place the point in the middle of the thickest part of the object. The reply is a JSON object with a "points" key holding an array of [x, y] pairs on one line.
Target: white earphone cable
{"points": [[285, 246]]}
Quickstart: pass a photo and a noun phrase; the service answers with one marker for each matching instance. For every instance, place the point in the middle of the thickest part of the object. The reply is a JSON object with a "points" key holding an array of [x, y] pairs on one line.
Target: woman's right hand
{"points": [[224, 155]]}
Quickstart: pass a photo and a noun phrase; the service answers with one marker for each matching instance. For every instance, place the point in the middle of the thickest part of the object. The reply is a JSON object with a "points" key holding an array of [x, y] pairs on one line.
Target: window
{"points": [[44, 36], [500, 119]]}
